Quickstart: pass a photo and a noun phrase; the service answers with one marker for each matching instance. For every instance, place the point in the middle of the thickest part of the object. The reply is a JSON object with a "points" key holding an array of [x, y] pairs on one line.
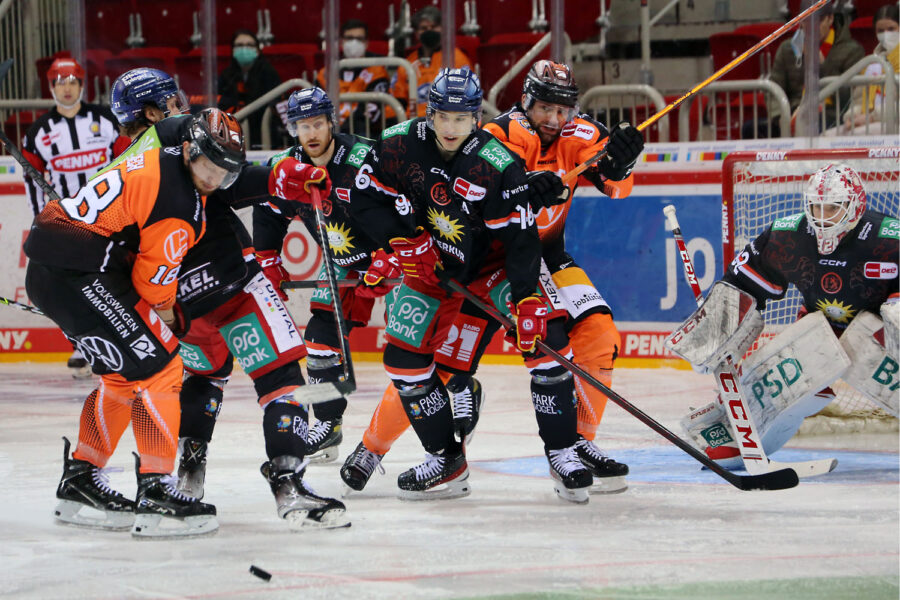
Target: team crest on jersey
{"points": [[448, 228], [95, 128], [832, 283], [880, 270], [439, 194], [326, 207], [468, 191], [176, 246], [339, 239]]}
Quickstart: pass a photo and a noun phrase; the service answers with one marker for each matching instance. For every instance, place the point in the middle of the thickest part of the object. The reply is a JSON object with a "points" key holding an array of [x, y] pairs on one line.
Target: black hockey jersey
{"points": [[475, 204], [859, 275], [71, 150], [350, 247]]}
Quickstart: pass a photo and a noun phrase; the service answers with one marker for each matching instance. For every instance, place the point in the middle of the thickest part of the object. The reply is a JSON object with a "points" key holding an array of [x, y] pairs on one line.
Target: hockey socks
{"points": [[103, 420], [285, 427], [553, 396], [428, 409], [201, 401], [319, 373]]}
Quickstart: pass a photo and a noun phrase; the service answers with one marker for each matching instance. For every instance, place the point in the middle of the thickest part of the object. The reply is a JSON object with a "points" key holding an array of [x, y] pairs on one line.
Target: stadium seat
{"points": [[726, 46], [106, 23], [162, 58], [728, 115], [291, 60], [500, 53], [232, 15], [374, 14], [168, 22], [863, 31], [297, 21], [760, 30], [189, 68], [17, 123], [581, 17], [502, 16], [867, 8], [469, 44]]}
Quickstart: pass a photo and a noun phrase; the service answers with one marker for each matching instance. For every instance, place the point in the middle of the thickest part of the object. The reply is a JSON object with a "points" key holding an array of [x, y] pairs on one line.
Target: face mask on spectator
{"points": [[430, 38], [354, 48], [889, 39], [245, 55]]}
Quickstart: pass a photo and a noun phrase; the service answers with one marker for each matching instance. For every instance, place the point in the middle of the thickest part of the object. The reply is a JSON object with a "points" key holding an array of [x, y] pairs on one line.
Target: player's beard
{"points": [[321, 149]]}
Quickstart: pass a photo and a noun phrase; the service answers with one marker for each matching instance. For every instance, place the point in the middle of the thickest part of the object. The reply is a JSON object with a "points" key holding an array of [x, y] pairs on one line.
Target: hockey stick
{"points": [[304, 284], [329, 390], [21, 306], [749, 442], [571, 175], [17, 154], [774, 480]]}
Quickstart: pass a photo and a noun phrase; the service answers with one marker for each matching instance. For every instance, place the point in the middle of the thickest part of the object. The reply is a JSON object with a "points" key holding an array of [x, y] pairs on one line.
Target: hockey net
{"points": [[759, 187]]}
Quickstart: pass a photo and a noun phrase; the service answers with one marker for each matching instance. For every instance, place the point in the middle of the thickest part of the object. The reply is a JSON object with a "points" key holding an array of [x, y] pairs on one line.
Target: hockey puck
{"points": [[264, 575]]}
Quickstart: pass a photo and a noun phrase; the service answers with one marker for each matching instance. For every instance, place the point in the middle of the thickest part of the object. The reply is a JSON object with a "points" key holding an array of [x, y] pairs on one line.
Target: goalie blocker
{"points": [[784, 382]]}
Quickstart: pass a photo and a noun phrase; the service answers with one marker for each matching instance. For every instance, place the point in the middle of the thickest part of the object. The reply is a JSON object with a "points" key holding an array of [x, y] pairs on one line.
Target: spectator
{"points": [[249, 76], [427, 59], [867, 103], [837, 53], [354, 118], [70, 142]]}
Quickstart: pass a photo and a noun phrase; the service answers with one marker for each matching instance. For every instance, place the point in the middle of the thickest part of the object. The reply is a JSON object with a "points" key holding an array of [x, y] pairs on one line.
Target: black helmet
{"points": [[217, 135], [550, 82]]}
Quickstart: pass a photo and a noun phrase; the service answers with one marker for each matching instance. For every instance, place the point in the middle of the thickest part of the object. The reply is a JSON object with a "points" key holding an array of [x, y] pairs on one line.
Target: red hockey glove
{"points": [[383, 266], [270, 261], [292, 180], [531, 322], [418, 257]]}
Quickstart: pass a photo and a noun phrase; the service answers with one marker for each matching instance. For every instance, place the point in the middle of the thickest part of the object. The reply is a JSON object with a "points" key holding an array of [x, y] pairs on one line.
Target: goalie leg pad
{"points": [[890, 315], [726, 323], [784, 375], [874, 372], [708, 428]]}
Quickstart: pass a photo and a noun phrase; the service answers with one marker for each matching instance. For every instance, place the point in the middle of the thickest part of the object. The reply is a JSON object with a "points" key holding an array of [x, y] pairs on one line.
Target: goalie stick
{"points": [[330, 390], [742, 423], [774, 480], [571, 175]]}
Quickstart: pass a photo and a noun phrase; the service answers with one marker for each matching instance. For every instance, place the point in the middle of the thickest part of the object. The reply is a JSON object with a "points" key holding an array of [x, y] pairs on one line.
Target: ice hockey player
{"points": [[843, 260], [70, 142], [229, 301], [408, 192], [548, 133], [311, 119]]}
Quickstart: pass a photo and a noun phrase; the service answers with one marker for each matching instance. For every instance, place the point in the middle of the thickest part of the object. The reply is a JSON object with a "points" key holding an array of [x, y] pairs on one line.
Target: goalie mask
{"points": [[834, 202]]}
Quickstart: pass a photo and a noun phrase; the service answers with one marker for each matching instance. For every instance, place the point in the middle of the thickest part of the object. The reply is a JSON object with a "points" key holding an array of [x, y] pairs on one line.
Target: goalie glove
{"points": [[273, 269], [547, 189], [383, 266], [418, 257], [622, 150], [531, 322], [293, 180]]}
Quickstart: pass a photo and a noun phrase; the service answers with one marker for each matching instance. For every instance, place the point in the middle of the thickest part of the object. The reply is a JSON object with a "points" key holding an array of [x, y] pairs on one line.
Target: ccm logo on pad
{"points": [[880, 270]]}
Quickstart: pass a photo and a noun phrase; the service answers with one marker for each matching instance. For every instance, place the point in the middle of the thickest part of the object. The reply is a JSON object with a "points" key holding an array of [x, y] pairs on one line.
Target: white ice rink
{"points": [[676, 533]]}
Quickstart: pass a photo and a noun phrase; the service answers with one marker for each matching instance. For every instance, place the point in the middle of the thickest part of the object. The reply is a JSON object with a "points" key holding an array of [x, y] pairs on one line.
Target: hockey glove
{"points": [[547, 189], [418, 257], [531, 322], [383, 266], [622, 150], [293, 180], [273, 269], [176, 319]]}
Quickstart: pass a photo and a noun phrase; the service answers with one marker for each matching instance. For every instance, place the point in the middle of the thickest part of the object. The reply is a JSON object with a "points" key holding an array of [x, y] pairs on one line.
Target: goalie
{"points": [[843, 260]]}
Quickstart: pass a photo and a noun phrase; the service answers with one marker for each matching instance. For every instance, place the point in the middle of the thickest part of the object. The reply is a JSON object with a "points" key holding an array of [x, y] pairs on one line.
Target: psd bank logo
{"points": [[248, 342], [410, 316]]}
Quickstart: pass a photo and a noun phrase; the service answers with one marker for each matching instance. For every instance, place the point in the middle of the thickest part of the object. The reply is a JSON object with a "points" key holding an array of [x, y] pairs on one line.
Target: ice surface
{"points": [[677, 532]]}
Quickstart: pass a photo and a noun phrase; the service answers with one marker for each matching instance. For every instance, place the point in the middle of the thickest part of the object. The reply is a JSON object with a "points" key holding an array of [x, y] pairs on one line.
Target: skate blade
{"points": [[325, 455], [158, 527], [68, 512], [446, 491], [576, 495], [609, 485], [301, 520], [349, 491]]}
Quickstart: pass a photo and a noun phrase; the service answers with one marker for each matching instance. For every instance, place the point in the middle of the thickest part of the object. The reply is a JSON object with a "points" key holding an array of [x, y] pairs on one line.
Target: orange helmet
{"points": [[64, 68]]}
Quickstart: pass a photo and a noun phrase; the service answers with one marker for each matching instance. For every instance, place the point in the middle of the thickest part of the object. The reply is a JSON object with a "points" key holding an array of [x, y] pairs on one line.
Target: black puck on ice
{"points": [[264, 575]]}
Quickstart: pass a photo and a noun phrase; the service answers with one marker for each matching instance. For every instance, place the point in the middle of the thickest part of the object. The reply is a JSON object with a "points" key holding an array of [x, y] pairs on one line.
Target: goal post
{"points": [[759, 187]]}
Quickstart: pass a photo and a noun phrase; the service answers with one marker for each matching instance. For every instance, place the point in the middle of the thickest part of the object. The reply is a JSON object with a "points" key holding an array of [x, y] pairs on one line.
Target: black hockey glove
{"points": [[622, 150], [547, 189]]}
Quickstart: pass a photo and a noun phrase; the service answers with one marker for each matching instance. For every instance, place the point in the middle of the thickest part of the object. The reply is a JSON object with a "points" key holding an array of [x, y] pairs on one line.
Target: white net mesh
{"points": [[761, 187]]}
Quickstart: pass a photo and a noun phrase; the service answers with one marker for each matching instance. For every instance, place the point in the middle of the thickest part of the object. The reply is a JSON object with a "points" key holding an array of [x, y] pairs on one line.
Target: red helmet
{"points": [[63, 68]]}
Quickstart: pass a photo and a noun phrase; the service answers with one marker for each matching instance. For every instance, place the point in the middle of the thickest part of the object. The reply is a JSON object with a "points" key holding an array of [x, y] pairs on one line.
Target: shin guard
{"points": [[285, 427]]}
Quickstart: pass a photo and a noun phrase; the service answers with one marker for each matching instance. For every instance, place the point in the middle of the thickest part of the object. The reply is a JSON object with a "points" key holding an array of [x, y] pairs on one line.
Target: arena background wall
{"points": [[622, 244]]}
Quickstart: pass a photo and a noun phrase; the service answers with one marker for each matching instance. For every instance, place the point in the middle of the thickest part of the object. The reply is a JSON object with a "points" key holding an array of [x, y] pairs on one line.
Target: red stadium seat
{"points": [[168, 22], [162, 58], [469, 44], [17, 124], [232, 15], [297, 21], [498, 54], [760, 30], [373, 13], [106, 23], [291, 60], [867, 8], [863, 31], [189, 68], [581, 17], [502, 16], [727, 46]]}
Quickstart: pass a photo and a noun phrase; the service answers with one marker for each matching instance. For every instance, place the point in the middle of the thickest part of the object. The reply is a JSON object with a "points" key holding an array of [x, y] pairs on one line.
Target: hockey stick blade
{"points": [[323, 392], [776, 480], [808, 468]]}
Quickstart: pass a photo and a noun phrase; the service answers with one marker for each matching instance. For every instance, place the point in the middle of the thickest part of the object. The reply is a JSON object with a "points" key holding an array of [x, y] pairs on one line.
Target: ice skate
{"points": [[78, 365], [297, 503], [439, 477], [323, 440], [192, 467], [161, 511], [87, 500], [467, 402], [609, 475], [571, 479], [358, 468]]}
